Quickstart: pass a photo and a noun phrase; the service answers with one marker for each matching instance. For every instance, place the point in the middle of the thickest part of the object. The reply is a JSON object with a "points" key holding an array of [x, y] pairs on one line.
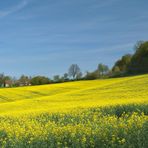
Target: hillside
{"points": [[66, 96], [99, 113]]}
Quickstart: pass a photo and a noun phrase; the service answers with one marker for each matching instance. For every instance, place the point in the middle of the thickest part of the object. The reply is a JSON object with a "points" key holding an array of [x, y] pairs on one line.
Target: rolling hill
{"points": [[98, 113], [66, 96]]}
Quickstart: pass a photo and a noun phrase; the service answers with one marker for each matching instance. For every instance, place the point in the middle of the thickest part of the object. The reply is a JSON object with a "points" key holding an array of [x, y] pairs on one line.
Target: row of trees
{"points": [[126, 65], [74, 73]]}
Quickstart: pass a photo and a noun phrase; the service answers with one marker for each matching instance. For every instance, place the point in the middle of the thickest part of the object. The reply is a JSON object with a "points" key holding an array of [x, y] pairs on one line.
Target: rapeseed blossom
{"points": [[100, 113]]}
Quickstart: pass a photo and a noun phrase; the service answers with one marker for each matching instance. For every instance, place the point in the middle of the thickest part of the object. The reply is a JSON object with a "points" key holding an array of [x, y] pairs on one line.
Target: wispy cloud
{"points": [[13, 9]]}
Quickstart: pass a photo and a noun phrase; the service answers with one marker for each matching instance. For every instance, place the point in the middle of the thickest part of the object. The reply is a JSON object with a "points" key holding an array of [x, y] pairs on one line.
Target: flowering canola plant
{"points": [[98, 113]]}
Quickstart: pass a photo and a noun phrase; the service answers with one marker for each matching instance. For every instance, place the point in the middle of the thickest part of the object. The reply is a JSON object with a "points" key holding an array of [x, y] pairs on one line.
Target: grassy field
{"points": [[99, 113]]}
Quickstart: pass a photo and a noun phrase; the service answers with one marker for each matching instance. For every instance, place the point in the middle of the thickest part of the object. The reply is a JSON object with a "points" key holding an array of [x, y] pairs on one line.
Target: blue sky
{"points": [[46, 36]]}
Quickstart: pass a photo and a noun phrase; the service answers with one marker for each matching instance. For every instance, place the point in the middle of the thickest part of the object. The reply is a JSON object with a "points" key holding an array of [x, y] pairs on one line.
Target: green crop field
{"points": [[99, 113]]}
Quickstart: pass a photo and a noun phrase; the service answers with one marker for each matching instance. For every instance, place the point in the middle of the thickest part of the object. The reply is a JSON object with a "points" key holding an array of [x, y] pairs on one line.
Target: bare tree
{"points": [[74, 71]]}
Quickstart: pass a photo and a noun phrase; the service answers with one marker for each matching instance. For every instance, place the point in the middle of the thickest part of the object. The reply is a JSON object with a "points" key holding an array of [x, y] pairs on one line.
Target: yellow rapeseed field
{"points": [[98, 113]]}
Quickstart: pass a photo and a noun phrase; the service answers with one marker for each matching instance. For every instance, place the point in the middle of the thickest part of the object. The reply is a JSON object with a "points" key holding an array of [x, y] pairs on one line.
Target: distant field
{"points": [[60, 97], [98, 113]]}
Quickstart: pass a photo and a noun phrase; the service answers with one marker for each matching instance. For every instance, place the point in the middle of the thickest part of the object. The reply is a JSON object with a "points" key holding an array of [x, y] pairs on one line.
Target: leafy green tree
{"points": [[138, 44], [92, 75], [56, 78], [65, 77], [103, 69], [122, 64], [116, 71], [40, 80], [139, 61]]}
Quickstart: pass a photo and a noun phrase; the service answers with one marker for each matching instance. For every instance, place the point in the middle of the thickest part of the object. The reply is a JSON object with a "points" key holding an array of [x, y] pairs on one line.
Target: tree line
{"points": [[129, 64], [73, 74]]}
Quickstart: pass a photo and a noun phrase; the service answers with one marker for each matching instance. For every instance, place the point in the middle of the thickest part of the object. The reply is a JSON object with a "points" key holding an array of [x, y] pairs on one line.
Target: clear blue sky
{"points": [[46, 36]]}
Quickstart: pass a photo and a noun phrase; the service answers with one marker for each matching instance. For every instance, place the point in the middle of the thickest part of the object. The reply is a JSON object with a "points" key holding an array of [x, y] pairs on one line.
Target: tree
{"points": [[116, 71], [139, 61], [137, 45], [7, 81], [103, 69], [24, 80], [79, 76], [2, 79], [65, 76], [56, 78], [92, 75], [62, 79], [122, 64], [40, 80], [74, 71], [106, 69]]}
